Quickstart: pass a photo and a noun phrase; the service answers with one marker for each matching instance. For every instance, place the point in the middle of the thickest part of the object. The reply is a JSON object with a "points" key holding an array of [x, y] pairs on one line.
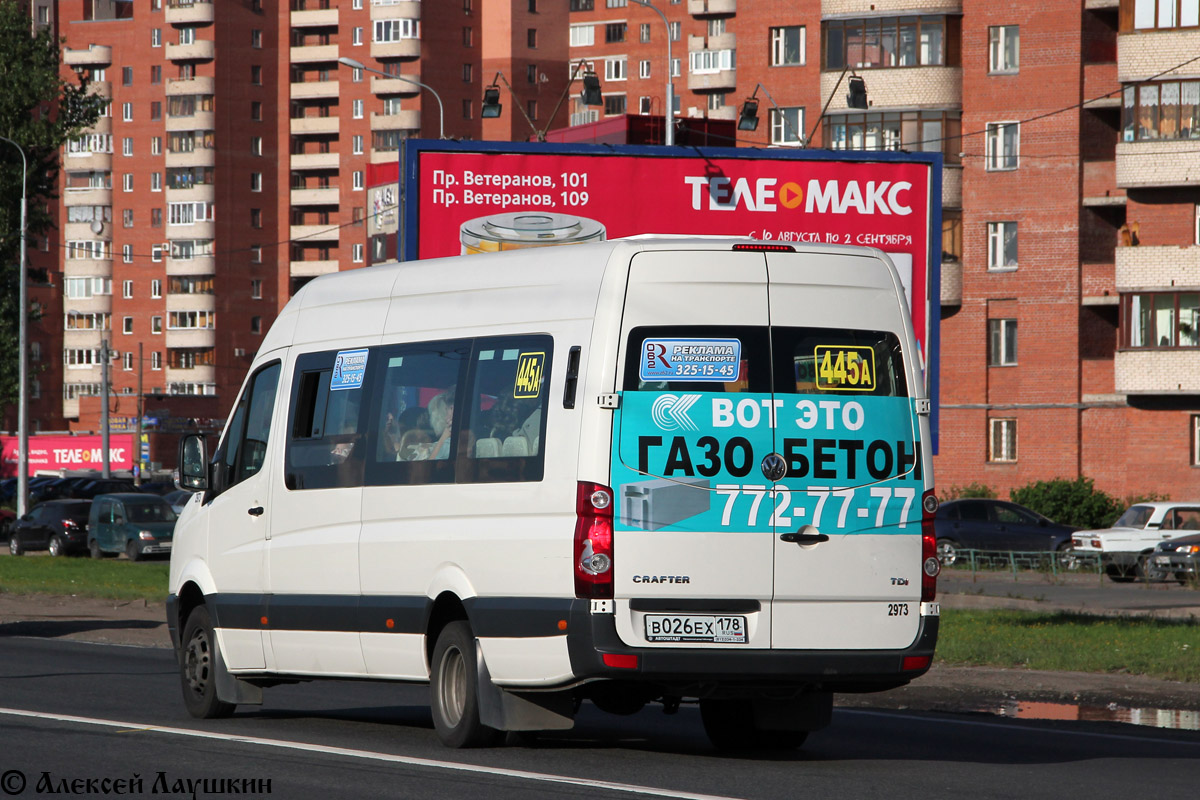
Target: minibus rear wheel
{"points": [[453, 689], [198, 668]]}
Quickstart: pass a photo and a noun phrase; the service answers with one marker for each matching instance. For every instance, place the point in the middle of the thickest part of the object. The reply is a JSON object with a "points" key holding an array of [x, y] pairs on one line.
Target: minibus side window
{"points": [[242, 452], [416, 413], [506, 410], [326, 431]]}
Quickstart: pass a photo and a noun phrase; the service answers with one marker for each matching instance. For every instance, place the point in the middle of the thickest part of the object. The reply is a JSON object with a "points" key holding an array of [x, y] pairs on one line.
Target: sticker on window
{"points": [[529, 375], [349, 369], [845, 368], [690, 360]]}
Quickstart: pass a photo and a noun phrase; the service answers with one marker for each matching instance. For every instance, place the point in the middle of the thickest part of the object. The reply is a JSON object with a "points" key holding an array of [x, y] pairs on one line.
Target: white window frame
{"points": [[356, 145], [1002, 152], [783, 134], [127, 326], [156, 325], [616, 68], [709, 62], [127, 112], [127, 361], [156, 288], [998, 40], [357, 36], [1195, 440], [356, 253], [387, 31], [998, 233], [356, 109], [256, 146], [127, 289], [156, 37], [156, 181], [779, 46], [644, 68], [156, 145], [998, 348], [155, 360], [187, 35], [256, 181], [359, 183], [127, 253], [1002, 439], [583, 35]]}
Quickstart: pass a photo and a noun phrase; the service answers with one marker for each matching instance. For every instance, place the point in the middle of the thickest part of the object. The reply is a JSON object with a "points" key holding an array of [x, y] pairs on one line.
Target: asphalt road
{"points": [[70, 712]]}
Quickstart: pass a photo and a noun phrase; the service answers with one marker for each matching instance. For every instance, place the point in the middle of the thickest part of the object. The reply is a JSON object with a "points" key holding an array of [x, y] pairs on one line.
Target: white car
{"points": [[1124, 548]]}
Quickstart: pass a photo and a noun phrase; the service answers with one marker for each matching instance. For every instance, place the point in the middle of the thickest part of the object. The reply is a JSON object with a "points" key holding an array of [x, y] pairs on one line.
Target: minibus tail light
{"points": [[758, 247], [593, 562], [930, 566]]}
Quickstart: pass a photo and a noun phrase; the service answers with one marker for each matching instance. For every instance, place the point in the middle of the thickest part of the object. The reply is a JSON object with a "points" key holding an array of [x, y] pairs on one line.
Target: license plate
{"points": [[695, 628], [1162, 559]]}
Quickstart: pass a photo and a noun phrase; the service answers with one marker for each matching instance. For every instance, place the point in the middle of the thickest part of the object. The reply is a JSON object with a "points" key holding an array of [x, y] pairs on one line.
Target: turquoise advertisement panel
{"points": [[693, 461]]}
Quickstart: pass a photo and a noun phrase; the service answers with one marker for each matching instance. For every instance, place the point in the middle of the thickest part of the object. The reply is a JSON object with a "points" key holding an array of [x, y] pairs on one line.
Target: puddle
{"points": [[1168, 718]]}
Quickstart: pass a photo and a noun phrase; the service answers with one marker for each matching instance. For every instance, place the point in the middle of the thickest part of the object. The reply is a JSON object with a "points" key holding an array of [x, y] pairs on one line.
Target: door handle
{"points": [[257, 511], [803, 538]]}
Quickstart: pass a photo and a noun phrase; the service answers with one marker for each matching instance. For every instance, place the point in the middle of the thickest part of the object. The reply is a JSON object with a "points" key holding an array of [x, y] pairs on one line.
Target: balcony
{"points": [[726, 112], [83, 268], [952, 283], [712, 8], [405, 48], [73, 231], [200, 157], [200, 121], [312, 269], [96, 55], [87, 196], [88, 161], [1158, 162], [197, 374], [200, 193], [189, 12], [203, 50], [316, 197], [191, 302], [190, 86], [191, 337], [200, 265], [314, 161], [395, 86], [310, 54], [197, 230], [1145, 54], [396, 9], [726, 41], [900, 88], [101, 89], [314, 89], [1145, 268], [722, 80], [301, 126], [409, 120], [314, 233], [315, 18], [1158, 372]]}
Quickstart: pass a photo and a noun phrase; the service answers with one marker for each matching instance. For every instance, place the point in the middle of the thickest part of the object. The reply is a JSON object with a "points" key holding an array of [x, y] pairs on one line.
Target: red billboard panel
{"points": [[54, 453]]}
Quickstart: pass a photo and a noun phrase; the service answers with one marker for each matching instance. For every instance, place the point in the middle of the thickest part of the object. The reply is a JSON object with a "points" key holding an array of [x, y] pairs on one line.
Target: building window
{"points": [[256, 289], [126, 290], [256, 39], [1163, 110], [1002, 245], [156, 288], [468, 73], [1195, 437], [156, 73], [357, 36], [1002, 342], [616, 3], [356, 145], [187, 35], [256, 181], [127, 146], [787, 126], [156, 37], [127, 217], [127, 361], [127, 325], [787, 46], [1003, 145], [884, 42], [1161, 14], [1002, 440], [394, 30], [127, 181], [644, 69], [127, 112], [468, 36], [1004, 48], [928, 131], [1161, 319], [127, 76], [531, 73], [676, 70], [256, 75], [356, 75], [616, 69], [156, 252], [707, 62], [127, 253], [156, 181], [644, 104], [467, 109], [676, 30], [615, 32], [356, 253], [256, 111], [582, 5], [156, 356], [583, 35], [156, 218], [256, 324], [952, 235], [156, 325], [156, 145], [614, 104], [644, 32], [356, 109], [531, 38], [256, 218], [358, 180]]}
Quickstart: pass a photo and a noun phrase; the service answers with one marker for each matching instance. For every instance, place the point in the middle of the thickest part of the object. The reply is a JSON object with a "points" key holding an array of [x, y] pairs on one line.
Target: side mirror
{"points": [[193, 463]]}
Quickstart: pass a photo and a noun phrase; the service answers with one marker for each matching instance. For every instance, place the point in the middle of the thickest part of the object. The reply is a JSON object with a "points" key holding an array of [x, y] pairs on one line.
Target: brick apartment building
{"points": [[1070, 133]]}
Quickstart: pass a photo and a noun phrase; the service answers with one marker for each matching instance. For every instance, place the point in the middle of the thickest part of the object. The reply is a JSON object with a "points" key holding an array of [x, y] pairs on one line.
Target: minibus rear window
{"points": [[654, 346], [838, 361]]}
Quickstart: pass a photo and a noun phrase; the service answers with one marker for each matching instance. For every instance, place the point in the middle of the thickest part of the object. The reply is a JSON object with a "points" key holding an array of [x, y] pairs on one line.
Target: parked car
{"points": [[6, 518], [162, 488], [94, 487], [1125, 548], [59, 526], [135, 524], [997, 525], [1176, 559]]}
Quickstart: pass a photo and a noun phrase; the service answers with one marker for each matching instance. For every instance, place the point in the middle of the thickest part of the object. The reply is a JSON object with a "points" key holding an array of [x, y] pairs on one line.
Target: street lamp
{"points": [[669, 116], [22, 376], [748, 116], [350, 62]]}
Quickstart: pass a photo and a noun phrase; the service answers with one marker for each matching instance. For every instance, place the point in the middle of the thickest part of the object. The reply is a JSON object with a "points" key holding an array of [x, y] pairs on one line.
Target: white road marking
{"points": [[410, 761]]}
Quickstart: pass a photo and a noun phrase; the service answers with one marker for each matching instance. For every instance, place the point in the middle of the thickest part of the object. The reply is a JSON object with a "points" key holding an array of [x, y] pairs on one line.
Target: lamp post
{"points": [[350, 62], [22, 376], [669, 115]]}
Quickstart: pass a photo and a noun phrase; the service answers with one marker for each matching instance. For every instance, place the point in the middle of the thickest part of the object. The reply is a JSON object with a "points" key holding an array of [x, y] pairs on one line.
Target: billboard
{"points": [[54, 453], [464, 198]]}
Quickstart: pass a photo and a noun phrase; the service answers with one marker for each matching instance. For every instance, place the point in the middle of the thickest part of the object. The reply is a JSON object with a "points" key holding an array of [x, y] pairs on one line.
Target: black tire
{"points": [[947, 552], [14, 545], [454, 697], [94, 549], [57, 547], [729, 724], [197, 668], [133, 551]]}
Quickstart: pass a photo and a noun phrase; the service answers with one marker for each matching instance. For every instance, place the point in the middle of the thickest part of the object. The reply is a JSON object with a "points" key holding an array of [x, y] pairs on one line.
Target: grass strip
{"points": [[1062, 641], [109, 579]]}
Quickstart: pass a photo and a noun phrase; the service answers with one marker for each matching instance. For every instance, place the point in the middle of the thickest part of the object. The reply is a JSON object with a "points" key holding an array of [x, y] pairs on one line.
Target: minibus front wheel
{"points": [[198, 668], [454, 690]]}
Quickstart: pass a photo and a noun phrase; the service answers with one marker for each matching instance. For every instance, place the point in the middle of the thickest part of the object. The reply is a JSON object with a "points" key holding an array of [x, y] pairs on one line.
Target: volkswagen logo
{"points": [[774, 467]]}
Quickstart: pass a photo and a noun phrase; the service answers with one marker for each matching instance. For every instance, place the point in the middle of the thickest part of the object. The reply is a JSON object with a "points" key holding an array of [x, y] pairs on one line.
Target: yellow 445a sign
{"points": [[529, 375], [845, 368]]}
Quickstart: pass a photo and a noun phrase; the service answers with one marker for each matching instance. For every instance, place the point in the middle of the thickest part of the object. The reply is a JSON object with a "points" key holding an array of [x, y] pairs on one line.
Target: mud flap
{"points": [[527, 711], [229, 688], [811, 711]]}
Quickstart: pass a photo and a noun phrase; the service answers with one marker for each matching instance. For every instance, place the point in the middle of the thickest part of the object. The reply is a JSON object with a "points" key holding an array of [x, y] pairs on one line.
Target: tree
{"points": [[40, 111]]}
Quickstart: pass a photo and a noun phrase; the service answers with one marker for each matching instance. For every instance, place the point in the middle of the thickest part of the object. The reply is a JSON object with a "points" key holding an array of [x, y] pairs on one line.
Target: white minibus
{"points": [[658, 470]]}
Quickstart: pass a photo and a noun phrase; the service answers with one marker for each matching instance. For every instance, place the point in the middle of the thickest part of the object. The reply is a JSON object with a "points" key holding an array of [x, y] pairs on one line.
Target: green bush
{"points": [[972, 489], [1071, 502]]}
